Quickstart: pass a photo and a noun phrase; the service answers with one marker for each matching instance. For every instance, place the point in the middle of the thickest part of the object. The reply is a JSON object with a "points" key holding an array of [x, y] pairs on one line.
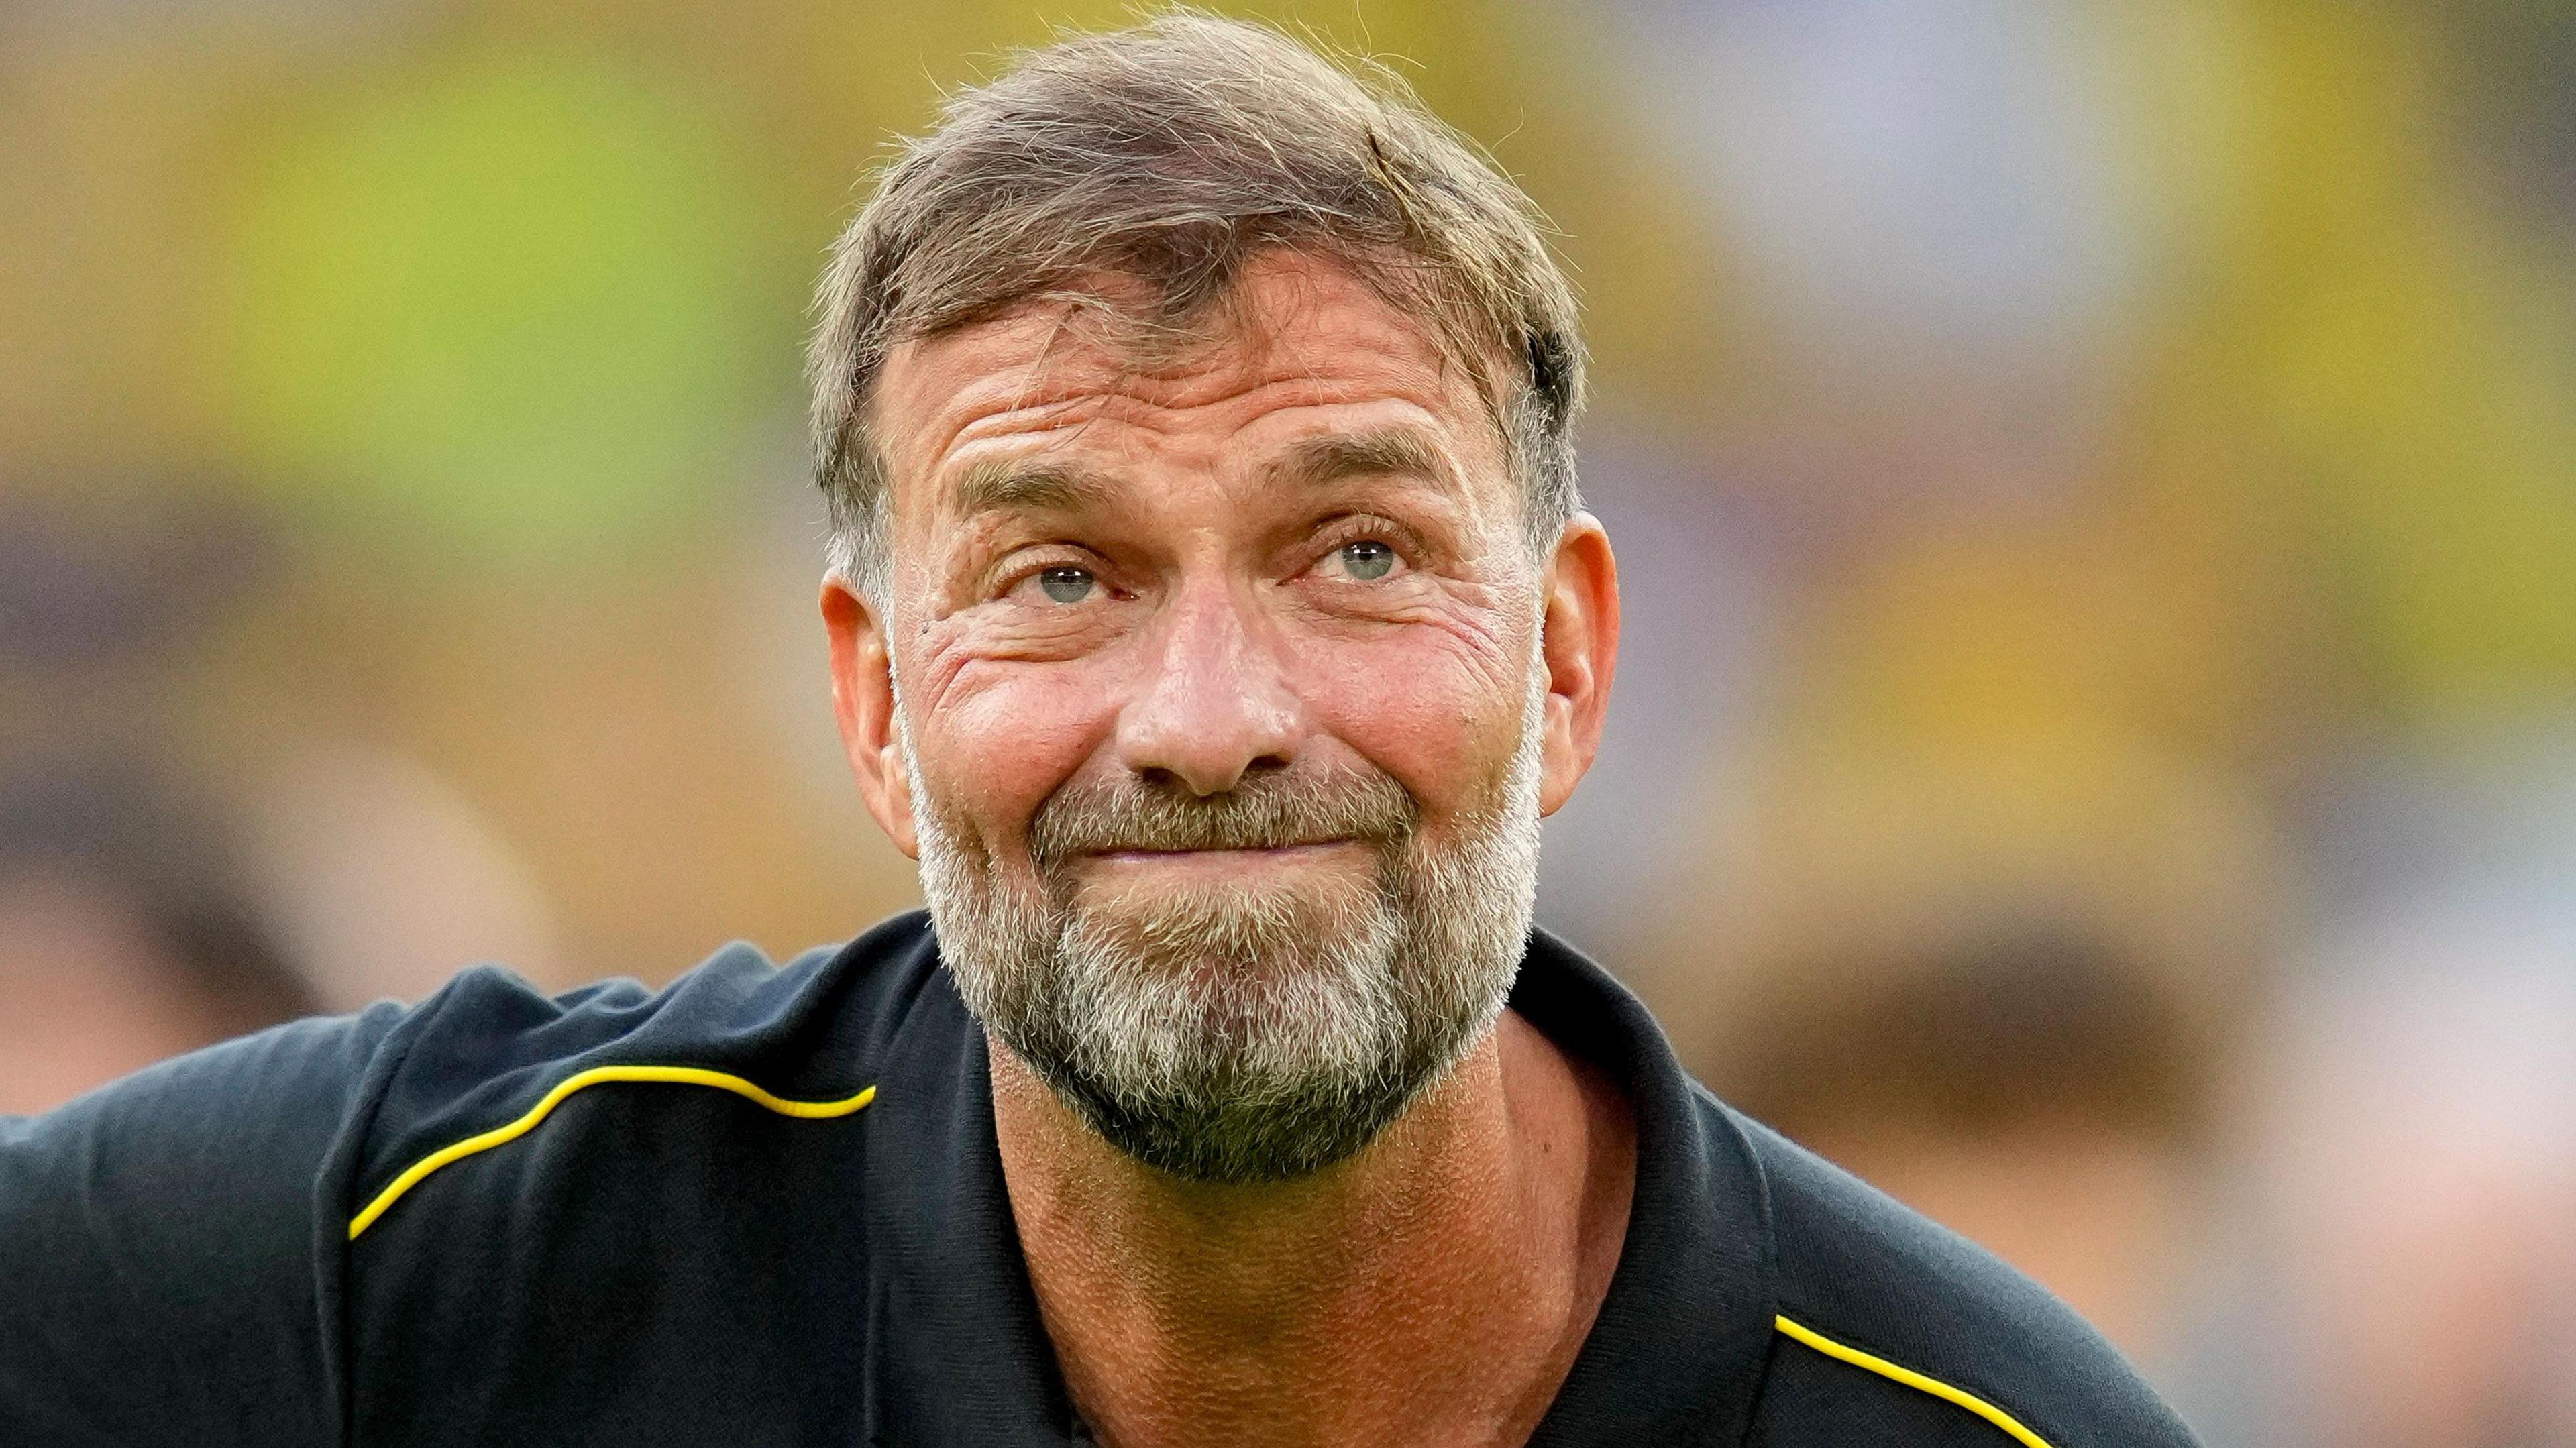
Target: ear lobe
{"points": [[863, 702], [1580, 650]]}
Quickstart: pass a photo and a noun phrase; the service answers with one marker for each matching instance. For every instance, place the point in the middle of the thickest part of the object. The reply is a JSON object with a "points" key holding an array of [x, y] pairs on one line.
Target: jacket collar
{"points": [[1676, 1355], [960, 1355]]}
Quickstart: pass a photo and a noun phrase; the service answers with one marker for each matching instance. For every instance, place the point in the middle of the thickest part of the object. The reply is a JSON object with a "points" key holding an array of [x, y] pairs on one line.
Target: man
{"points": [[1212, 616]]}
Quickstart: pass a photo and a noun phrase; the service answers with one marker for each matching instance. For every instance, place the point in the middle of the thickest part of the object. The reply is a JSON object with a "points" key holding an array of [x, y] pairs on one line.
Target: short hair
{"points": [[1169, 155]]}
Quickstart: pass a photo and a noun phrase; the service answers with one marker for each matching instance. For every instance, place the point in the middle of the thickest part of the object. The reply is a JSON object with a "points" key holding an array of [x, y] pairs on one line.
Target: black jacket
{"points": [[763, 1206]]}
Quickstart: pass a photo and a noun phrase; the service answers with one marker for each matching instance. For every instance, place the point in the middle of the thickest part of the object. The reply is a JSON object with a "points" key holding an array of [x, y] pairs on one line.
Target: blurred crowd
{"points": [[2094, 749]]}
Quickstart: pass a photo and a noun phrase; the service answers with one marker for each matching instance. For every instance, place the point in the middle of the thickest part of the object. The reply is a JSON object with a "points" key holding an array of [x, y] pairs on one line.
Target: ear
{"points": [[863, 702], [1580, 649]]}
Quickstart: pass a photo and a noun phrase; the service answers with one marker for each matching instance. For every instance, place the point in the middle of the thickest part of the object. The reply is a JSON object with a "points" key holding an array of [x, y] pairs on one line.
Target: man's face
{"points": [[1222, 712]]}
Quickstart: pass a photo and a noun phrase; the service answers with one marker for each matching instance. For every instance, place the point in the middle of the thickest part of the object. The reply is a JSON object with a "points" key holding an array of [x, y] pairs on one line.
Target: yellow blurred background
{"points": [[2095, 748]]}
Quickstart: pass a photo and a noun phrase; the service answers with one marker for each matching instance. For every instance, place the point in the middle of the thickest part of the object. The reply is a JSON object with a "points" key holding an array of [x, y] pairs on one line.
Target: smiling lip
{"points": [[1256, 853]]}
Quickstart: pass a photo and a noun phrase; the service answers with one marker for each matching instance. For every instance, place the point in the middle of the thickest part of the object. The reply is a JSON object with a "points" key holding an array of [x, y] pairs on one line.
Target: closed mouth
{"points": [[1281, 851]]}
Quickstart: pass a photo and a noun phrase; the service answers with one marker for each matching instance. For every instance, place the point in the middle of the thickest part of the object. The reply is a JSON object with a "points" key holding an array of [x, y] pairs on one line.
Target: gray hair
{"points": [[1170, 154]]}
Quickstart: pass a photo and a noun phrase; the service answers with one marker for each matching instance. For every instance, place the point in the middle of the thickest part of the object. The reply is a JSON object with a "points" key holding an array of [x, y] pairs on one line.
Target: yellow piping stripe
{"points": [[595, 1076], [1912, 1379]]}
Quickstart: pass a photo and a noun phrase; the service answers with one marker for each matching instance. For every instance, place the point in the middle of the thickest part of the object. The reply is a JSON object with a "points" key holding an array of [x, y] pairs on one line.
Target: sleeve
{"points": [[163, 1273]]}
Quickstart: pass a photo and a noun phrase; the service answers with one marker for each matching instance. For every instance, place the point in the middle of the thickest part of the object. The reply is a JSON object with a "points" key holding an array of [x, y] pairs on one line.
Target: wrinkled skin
{"points": [[1295, 553], [1226, 629]]}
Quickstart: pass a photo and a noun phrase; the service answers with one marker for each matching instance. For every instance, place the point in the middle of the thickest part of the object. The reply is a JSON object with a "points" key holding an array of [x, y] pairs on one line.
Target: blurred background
{"points": [[2095, 749]]}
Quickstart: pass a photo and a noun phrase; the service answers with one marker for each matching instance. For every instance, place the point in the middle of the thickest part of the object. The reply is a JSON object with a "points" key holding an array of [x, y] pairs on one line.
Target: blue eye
{"points": [[1067, 584], [1367, 559]]}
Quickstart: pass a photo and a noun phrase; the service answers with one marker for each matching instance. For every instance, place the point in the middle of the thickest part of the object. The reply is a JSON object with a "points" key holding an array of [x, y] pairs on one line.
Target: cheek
{"points": [[1439, 711], [998, 741]]}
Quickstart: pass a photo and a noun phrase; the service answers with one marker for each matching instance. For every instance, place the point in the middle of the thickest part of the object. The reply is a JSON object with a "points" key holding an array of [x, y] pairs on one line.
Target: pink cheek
{"points": [[1400, 703], [1012, 736]]}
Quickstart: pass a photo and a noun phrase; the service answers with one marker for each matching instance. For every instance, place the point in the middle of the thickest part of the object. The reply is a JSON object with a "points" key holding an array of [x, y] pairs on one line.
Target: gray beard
{"points": [[1242, 1034]]}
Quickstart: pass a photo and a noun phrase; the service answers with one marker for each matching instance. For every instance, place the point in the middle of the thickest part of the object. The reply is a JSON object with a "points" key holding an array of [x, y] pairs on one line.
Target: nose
{"points": [[1215, 707]]}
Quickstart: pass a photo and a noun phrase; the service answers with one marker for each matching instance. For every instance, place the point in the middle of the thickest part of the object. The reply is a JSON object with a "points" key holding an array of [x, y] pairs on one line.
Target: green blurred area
{"points": [[489, 315], [2095, 486], [538, 303]]}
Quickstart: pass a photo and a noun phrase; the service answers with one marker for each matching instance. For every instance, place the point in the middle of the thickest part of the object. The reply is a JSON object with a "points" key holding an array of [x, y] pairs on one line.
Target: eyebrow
{"points": [[1027, 485], [1020, 484], [1381, 450]]}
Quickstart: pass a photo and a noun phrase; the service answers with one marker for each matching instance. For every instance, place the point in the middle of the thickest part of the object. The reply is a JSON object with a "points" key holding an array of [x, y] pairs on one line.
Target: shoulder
{"points": [[195, 1155], [491, 1057], [1890, 1325], [158, 1243]]}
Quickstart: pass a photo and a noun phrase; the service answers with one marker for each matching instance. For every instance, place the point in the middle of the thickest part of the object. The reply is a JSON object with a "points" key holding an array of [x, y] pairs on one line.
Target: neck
{"points": [[1433, 1289]]}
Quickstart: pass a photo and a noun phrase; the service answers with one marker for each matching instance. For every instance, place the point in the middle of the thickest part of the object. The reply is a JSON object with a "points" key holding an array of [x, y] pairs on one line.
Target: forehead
{"points": [[1299, 342]]}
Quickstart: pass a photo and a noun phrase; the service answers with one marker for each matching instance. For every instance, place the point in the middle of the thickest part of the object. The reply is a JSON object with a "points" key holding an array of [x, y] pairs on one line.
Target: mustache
{"points": [[1262, 812]]}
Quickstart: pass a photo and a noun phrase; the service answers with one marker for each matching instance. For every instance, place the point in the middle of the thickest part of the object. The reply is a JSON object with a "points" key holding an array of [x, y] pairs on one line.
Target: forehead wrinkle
{"points": [[1081, 373], [1036, 396], [1033, 378]]}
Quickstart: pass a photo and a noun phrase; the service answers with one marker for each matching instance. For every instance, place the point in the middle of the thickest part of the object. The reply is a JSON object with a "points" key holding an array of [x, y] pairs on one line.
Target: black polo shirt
{"points": [[764, 1206]]}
